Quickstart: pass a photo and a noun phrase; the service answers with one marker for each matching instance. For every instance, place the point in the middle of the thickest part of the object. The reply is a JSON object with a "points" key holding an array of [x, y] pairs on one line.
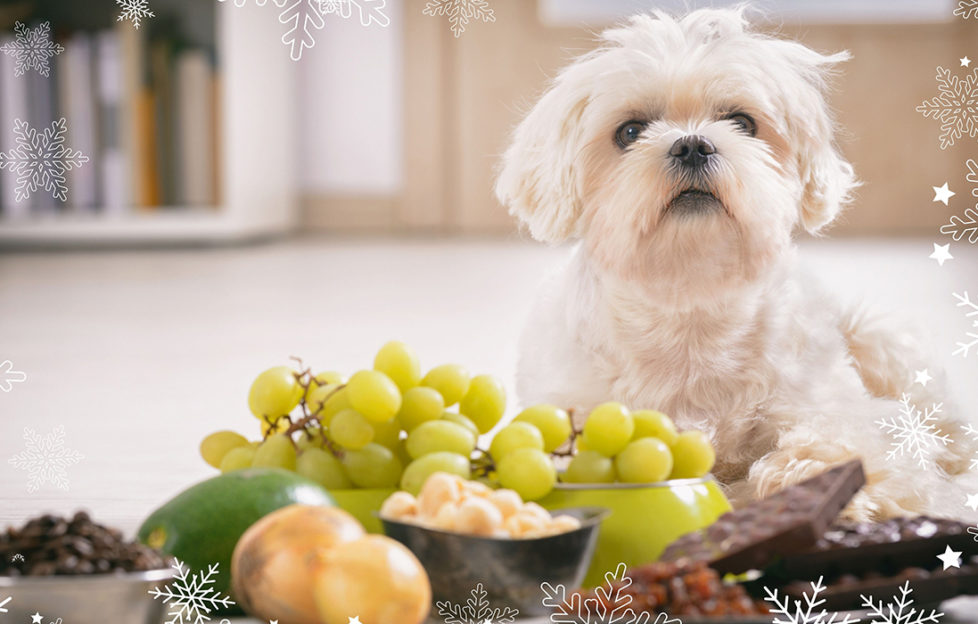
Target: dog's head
{"points": [[684, 152]]}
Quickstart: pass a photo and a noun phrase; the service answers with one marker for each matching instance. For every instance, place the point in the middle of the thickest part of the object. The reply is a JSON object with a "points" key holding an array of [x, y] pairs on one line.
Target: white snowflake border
{"points": [[32, 49], [810, 609], [914, 432], [134, 11], [41, 159], [9, 376], [955, 106], [971, 310], [45, 459], [189, 595], [613, 606], [476, 610], [460, 12], [967, 9], [305, 17]]}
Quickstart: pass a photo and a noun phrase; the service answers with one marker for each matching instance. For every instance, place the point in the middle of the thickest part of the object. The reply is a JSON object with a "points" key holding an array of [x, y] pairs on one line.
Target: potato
{"points": [[374, 578], [273, 563]]}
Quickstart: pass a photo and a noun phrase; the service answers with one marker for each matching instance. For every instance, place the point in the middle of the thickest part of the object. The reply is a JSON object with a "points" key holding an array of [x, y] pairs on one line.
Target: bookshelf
{"points": [[252, 193]]}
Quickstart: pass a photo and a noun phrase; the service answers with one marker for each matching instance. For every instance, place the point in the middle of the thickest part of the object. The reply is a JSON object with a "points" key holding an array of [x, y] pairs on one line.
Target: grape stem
{"points": [[304, 378], [567, 448]]}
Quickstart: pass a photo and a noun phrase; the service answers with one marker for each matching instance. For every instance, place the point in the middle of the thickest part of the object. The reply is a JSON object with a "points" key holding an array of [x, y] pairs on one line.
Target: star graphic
{"points": [[965, 61], [922, 377], [972, 501], [941, 253], [354, 620], [37, 618], [272, 621], [950, 558], [942, 193]]}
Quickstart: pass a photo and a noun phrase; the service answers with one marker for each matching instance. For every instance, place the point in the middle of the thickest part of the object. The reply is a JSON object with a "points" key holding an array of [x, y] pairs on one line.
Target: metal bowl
{"points": [[89, 599], [509, 570]]}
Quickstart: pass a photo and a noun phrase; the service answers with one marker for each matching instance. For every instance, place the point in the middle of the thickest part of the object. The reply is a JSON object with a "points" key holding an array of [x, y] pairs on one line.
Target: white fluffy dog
{"points": [[683, 154]]}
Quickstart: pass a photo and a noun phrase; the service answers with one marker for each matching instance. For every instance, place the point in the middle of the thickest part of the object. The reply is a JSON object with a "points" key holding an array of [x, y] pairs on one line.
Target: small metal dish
{"points": [[509, 570], [85, 599]]}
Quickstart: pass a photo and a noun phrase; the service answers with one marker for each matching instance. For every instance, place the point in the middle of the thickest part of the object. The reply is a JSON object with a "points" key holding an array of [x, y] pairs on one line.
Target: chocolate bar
{"points": [[847, 591], [788, 522], [886, 547]]}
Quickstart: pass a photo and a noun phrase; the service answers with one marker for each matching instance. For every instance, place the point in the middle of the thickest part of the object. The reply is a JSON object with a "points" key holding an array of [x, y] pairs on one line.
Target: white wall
{"points": [[349, 107]]}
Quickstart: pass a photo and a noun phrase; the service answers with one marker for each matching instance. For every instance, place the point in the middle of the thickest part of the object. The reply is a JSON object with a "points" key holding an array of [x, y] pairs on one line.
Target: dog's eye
{"points": [[629, 132], [745, 122]]}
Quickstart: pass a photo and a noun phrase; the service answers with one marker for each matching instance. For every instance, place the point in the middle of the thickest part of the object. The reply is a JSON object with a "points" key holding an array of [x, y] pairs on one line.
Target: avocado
{"points": [[201, 525]]}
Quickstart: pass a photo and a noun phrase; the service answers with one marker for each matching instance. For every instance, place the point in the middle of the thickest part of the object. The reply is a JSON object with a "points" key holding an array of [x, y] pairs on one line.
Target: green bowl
{"points": [[363, 505], [644, 519]]}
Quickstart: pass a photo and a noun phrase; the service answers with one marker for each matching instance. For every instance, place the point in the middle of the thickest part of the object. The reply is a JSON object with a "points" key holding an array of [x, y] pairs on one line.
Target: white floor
{"points": [[140, 354]]}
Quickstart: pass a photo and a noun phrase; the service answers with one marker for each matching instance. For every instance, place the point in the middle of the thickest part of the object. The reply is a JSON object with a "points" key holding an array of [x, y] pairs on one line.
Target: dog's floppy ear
{"points": [[827, 176], [538, 181]]}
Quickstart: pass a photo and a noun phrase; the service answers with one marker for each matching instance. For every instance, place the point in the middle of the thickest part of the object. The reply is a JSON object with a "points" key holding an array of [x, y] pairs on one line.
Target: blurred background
{"points": [[239, 207]]}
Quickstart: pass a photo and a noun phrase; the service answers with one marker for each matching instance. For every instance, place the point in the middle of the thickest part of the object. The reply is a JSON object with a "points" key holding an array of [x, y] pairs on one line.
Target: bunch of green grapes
{"points": [[643, 446], [389, 426], [382, 427]]}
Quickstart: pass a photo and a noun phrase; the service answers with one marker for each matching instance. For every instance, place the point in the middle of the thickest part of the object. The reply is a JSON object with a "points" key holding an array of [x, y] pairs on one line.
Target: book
{"points": [[161, 78], [14, 104], [115, 177], [195, 116], [77, 105], [138, 136]]}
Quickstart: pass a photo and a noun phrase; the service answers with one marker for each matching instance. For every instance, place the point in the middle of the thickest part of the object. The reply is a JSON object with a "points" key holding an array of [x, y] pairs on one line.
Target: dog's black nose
{"points": [[692, 151]]}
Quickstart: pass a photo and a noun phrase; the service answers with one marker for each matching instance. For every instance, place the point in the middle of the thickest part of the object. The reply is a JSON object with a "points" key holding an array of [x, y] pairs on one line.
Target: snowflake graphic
{"points": [[806, 611], [475, 610], [610, 606], [914, 432], [45, 459], [17, 557], [41, 159], [897, 611], [959, 227], [134, 10], [190, 597], [304, 17], [972, 432], [32, 49], [964, 300], [967, 9], [8, 376], [460, 12], [956, 106], [3, 604]]}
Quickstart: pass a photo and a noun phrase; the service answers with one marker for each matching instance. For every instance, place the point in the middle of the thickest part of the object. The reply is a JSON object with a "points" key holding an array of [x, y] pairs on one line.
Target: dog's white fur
{"points": [[705, 316]]}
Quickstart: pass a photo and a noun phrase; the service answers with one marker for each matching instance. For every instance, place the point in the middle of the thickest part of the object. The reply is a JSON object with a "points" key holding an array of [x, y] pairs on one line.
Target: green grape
{"points": [[693, 456], [336, 400], [608, 428], [323, 468], [440, 435], [237, 458], [351, 430], [373, 466], [590, 467], [450, 380], [646, 460], [388, 434], [458, 419], [484, 402], [420, 405], [274, 393], [214, 447], [418, 471], [553, 423], [653, 424], [528, 471], [275, 452], [400, 452], [515, 436], [373, 394], [325, 378], [399, 362], [310, 440]]}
